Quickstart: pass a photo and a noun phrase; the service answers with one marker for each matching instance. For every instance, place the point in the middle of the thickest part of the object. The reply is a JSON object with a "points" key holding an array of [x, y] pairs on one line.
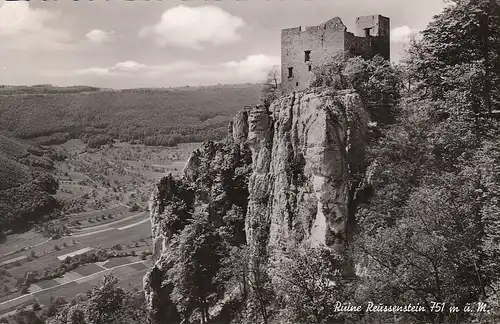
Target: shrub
{"points": [[144, 254], [376, 80], [51, 311], [36, 307], [134, 208]]}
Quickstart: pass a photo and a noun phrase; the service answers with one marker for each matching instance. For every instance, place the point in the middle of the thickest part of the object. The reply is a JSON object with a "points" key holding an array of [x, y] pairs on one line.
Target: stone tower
{"points": [[302, 49]]}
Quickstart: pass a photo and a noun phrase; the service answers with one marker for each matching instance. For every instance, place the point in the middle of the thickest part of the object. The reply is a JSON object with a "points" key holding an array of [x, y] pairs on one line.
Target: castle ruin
{"points": [[302, 50]]}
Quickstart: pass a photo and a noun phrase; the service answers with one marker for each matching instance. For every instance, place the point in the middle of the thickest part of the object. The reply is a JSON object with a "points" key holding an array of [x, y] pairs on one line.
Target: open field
{"points": [[104, 193], [75, 282], [99, 185], [80, 280]]}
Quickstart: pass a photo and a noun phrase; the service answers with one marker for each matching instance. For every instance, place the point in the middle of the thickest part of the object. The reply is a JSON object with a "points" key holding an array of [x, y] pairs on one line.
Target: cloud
{"points": [[25, 28], [402, 34], [132, 68], [126, 67], [94, 71], [98, 36], [194, 27], [253, 68]]}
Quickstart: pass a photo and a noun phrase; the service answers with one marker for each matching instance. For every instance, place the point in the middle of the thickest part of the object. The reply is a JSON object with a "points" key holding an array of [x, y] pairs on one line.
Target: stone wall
{"points": [[325, 41], [322, 41], [379, 29]]}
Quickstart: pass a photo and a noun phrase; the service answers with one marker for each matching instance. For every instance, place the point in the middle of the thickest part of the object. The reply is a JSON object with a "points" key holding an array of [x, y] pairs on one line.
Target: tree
{"points": [[310, 283], [434, 199], [196, 259], [464, 34], [106, 302], [271, 87], [378, 83], [261, 293], [330, 73]]}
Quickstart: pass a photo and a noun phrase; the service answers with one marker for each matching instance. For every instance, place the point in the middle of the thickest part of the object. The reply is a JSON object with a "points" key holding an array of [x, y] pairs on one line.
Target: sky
{"points": [[169, 43]]}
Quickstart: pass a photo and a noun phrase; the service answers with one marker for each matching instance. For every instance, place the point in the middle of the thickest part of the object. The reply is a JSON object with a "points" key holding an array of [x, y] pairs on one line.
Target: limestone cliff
{"points": [[294, 167], [308, 156]]}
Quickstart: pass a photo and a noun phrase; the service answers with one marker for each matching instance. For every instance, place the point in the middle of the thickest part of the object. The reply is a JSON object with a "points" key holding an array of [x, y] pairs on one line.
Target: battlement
{"points": [[303, 48]]}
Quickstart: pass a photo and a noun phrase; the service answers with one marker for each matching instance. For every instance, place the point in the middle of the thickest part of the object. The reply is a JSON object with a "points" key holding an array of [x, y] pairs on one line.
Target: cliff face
{"points": [[298, 166], [308, 156]]}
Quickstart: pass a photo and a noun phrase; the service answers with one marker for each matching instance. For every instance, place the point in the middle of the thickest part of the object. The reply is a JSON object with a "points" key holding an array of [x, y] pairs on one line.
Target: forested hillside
{"points": [[430, 232], [25, 184], [149, 116]]}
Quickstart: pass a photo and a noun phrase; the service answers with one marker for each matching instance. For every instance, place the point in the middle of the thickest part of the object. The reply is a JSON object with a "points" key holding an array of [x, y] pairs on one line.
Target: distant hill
{"points": [[43, 88], [150, 116], [26, 186]]}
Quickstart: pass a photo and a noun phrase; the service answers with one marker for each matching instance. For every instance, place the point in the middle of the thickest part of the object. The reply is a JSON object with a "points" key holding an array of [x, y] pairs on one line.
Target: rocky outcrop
{"points": [[239, 130], [215, 183], [295, 168], [308, 155]]}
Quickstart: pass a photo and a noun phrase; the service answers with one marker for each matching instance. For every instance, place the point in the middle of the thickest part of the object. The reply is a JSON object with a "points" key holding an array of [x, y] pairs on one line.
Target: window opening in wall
{"points": [[309, 68], [307, 56], [290, 72], [297, 84], [367, 32]]}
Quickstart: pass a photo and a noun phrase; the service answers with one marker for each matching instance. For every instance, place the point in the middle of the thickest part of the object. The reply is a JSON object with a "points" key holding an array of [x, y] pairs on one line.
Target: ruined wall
{"points": [[326, 40], [379, 29], [323, 41], [359, 46]]}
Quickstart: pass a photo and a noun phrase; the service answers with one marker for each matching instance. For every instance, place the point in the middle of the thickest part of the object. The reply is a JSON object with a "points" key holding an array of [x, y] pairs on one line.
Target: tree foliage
{"points": [[106, 303], [376, 80], [149, 116], [459, 52], [196, 263], [310, 282], [429, 232]]}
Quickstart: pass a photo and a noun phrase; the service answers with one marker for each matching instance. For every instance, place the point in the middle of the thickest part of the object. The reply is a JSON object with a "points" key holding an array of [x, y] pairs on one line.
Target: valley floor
{"points": [[105, 194]]}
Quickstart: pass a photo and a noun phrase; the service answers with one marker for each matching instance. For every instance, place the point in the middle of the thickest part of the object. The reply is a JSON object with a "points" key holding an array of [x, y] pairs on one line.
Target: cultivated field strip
{"points": [[90, 273]]}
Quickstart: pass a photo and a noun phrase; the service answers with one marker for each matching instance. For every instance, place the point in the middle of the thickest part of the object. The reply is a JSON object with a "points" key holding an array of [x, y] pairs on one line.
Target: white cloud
{"points": [[25, 28], [254, 67], [194, 27], [98, 36], [127, 67], [402, 34], [94, 71], [251, 69]]}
